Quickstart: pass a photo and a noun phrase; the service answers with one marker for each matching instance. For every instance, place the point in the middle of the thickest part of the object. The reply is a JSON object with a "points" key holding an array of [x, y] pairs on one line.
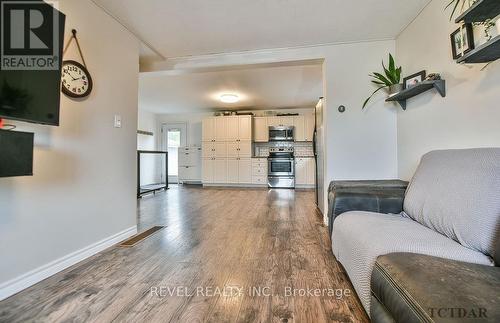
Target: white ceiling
{"points": [[179, 28], [296, 86]]}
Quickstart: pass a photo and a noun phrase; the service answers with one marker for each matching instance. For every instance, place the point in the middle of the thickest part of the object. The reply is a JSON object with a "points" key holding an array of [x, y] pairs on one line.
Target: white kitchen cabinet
{"points": [[299, 124], [232, 171], [190, 164], [259, 171], [239, 170], [208, 165], [239, 149], [245, 148], [245, 170], [220, 170], [300, 172], [309, 127], [208, 149], [310, 171], [304, 171], [214, 149], [208, 129], [214, 170], [274, 121], [260, 129], [282, 121], [238, 128], [220, 149], [232, 128], [221, 128], [286, 121], [233, 149], [245, 128]]}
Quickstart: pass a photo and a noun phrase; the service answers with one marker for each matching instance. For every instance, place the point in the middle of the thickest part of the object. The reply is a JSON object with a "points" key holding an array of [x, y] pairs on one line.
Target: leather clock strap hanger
{"points": [[73, 31]]}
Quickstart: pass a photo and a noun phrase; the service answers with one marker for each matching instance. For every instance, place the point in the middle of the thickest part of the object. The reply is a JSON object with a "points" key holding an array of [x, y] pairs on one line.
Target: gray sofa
{"points": [[449, 211]]}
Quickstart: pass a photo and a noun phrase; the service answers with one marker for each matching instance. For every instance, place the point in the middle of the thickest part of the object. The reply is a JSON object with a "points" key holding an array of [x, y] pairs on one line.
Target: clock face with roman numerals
{"points": [[75, 80]]}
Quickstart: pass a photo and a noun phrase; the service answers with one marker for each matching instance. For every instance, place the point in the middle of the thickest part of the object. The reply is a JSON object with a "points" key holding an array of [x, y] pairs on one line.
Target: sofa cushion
{"points": [[457, 193], [418, 288], [358, 238]]}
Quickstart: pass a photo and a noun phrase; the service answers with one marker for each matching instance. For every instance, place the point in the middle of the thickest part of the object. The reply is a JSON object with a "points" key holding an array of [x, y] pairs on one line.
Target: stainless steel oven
{"points": [[281, 133], [281, 168]]}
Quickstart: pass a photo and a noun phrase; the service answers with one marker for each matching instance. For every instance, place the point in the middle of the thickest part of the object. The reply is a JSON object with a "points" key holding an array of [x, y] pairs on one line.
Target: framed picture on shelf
{"points": [[462, 41], [413, 79]]}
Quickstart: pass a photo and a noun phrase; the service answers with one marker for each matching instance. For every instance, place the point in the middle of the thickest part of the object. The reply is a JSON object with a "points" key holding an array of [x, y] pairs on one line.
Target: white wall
{"points": [[84, 183], [150, 171], [468, 116], [146, 122]]}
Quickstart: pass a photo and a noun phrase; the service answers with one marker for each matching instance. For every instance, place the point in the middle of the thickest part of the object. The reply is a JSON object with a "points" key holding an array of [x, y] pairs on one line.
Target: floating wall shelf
{"points": [[487, 52], [480, 11], [401, 97]]}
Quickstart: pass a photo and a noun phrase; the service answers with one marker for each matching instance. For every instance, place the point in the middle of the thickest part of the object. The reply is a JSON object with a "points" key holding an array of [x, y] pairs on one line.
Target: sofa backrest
{"points": [[457, 193]]}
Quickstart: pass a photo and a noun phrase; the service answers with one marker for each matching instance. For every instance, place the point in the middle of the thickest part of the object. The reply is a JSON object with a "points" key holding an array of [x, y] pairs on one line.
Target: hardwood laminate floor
{"points": [[226, 255]]}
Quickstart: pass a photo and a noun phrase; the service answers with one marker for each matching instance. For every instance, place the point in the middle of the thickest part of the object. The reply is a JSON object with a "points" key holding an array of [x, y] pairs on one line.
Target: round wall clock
{"points": [[76, 80]]}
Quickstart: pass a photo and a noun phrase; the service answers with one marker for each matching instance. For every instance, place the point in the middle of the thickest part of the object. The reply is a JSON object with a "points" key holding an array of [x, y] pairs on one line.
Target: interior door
{"points": [[174, 135]]}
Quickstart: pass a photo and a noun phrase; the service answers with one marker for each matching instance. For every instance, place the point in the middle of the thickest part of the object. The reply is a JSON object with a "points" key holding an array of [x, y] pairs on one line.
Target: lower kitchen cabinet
{"points": [[305, 171], [214, 170], [239, 170], [190, 164]]}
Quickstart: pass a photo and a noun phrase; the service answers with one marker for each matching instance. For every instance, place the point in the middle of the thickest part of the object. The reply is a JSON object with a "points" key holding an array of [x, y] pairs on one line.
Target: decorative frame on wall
{"points": [[414, 79], [462, 41]]}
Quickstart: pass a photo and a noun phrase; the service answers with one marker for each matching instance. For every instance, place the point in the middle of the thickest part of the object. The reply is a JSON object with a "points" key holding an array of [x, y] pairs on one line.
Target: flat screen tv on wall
{"points": [[30, 30]]}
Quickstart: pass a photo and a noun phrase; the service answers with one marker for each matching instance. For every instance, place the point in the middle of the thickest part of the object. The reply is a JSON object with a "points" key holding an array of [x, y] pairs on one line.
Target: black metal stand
{"points": [[153, 188]]}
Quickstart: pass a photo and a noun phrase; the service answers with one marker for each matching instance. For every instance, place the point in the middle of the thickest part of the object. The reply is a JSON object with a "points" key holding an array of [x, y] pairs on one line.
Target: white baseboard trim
{"points": [[32, 277]]}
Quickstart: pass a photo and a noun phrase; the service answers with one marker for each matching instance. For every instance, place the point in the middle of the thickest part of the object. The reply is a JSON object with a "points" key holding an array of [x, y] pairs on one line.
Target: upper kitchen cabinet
{"points": [[273, 121], [280, 121], [310, 122], [299, 124], [238, 128], [260, 129], [208, 129], [232, 128], [221, 129], [245, 128], [304, 127]]}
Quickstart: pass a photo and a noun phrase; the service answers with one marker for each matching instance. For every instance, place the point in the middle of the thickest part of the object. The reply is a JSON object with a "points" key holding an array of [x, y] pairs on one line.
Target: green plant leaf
{"points": [[366, 101], [383, 79], [454, 9], [388, 74], [392, 66]]}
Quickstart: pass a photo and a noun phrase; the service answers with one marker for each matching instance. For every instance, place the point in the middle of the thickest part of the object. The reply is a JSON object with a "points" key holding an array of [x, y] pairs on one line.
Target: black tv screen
{"points": [[30, 87]]}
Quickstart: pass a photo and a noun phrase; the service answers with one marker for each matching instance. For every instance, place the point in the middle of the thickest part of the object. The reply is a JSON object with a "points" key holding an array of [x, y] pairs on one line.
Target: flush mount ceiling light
{"points": [[229, 98]]}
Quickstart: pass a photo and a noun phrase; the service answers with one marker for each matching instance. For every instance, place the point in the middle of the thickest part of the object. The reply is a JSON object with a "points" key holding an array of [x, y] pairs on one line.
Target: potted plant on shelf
{"points": [[389, 80]]}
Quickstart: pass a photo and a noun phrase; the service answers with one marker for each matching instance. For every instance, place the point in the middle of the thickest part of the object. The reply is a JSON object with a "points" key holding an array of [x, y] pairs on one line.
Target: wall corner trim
{"points": [[32, 277]]}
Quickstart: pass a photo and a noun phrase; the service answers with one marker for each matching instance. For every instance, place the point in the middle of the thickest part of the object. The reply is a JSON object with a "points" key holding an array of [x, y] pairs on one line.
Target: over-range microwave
{"points": [[281, 133]]}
